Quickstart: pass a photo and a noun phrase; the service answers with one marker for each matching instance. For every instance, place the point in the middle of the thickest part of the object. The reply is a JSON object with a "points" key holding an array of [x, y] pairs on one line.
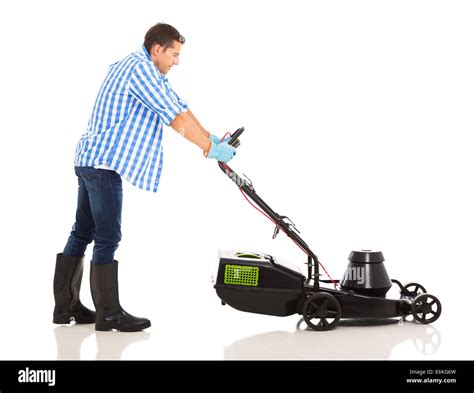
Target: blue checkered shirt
{"points": [[125, 129]]}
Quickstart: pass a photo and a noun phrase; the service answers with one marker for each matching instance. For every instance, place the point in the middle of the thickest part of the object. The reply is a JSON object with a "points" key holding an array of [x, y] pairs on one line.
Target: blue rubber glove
{"points": [[221, 151], [217, 140]]}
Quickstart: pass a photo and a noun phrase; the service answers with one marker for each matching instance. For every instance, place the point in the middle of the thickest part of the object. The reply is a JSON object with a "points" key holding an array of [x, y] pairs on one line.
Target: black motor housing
{"points": [[366, 274], [258, 283]]}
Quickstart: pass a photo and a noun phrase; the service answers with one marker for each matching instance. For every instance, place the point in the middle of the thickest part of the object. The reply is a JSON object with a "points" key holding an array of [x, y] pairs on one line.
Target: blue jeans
{"points": [[98, 214]]}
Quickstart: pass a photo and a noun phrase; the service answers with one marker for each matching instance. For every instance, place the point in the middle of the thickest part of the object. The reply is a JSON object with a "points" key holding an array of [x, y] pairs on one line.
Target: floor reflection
{"points": [[110, 345], [369, 339]]}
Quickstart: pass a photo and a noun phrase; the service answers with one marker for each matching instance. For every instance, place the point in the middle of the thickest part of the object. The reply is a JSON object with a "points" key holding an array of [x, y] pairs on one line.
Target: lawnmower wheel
{"points": [[412, 289], [321, 311], [426, 308]]}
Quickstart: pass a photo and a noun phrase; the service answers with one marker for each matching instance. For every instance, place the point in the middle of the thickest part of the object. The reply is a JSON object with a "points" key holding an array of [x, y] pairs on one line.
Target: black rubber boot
{"points": [[67, 285], [110, 315]]}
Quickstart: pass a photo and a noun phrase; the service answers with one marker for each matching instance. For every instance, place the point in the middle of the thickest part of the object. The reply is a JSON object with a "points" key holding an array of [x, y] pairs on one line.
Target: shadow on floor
{"points": [[110, 345], [352, 339]]}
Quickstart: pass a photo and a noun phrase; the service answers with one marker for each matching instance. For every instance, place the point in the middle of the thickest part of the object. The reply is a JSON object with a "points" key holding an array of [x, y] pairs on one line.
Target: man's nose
{"points": [[176, 61]]}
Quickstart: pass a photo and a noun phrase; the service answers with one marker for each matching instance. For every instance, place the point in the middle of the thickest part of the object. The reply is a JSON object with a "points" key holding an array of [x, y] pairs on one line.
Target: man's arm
{"points": [[207, 133], [188, 126]]}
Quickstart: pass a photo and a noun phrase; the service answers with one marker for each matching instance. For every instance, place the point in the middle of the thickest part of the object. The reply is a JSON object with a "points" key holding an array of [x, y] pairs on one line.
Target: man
{"points": [[123, 139]]}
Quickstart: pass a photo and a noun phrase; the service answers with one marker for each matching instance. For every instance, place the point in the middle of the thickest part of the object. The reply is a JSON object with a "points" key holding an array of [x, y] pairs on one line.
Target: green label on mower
{"points": [[241, 275]]}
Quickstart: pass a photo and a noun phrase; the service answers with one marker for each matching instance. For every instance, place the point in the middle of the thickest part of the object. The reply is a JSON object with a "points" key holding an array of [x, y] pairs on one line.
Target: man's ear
{"points": [[157, 48]]}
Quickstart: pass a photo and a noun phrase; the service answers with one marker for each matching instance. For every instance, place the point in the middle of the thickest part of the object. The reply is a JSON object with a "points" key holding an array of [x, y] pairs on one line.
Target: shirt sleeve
{"points": [[147, 86]]}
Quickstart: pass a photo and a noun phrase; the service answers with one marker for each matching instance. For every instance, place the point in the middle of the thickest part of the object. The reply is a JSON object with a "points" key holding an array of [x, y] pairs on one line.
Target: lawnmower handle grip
{"points": [[234, 141]]}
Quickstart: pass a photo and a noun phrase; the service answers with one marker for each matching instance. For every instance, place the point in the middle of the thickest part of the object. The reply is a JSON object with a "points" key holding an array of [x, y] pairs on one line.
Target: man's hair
{"points": [[163, 35]]}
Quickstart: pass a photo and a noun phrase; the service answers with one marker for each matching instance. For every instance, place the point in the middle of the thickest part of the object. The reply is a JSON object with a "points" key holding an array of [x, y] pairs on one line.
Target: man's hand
{"points": [[217, 140], [221, 151]]}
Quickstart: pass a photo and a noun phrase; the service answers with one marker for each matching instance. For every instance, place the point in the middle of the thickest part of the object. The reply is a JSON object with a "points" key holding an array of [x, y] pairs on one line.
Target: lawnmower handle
{"points": [[234, 141]]}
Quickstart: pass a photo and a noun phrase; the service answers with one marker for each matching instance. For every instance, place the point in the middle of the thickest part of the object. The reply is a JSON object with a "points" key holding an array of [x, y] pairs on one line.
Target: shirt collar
{"points": [[143, 53]]}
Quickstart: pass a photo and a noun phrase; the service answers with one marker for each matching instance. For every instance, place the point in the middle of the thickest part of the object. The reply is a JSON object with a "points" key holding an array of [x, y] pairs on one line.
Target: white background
{"points": [[358, 118]]}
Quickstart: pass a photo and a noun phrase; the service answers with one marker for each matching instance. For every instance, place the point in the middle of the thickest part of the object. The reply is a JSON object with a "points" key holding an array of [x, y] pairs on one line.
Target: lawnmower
{"points": [[263, 284]]}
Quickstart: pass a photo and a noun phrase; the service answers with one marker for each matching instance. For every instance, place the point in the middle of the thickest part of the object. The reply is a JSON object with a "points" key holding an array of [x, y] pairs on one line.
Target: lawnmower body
{"points": [[260, 283]]}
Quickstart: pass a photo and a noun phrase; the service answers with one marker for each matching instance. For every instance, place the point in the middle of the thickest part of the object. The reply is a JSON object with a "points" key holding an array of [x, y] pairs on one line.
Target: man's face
{"points": [[164, 59]]}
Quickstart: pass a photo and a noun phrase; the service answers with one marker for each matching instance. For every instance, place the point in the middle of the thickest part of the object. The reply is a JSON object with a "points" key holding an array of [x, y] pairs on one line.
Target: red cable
{"points": [[266, 215], [227, 133]]}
